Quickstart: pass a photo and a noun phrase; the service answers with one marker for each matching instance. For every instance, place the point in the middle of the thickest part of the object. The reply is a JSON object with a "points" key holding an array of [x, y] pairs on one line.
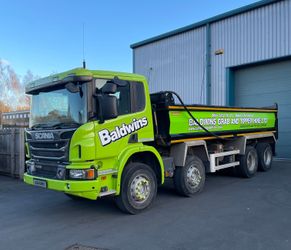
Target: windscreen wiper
{"points": [[40, 125], [66, 125]]}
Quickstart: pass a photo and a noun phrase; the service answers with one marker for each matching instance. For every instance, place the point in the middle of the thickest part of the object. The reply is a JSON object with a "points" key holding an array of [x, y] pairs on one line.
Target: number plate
{"points": [[39, 183]]}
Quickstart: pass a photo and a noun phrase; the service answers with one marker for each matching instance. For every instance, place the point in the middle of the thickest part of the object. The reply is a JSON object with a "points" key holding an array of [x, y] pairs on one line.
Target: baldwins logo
{"points": [[106, 137], [44, 136]]}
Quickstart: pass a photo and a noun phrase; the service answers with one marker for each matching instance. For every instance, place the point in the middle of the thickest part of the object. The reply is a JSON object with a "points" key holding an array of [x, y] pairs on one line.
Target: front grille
{"points": [[50, 155], [55, 149], [52, 145]]}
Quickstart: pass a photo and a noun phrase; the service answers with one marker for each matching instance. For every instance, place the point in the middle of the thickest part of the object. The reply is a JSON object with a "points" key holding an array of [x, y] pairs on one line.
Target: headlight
{"points": [[85, 174]]}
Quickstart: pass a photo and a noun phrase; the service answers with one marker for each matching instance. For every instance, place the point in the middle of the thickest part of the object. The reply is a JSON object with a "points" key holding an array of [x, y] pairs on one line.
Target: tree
{"points": [[12, 94]]}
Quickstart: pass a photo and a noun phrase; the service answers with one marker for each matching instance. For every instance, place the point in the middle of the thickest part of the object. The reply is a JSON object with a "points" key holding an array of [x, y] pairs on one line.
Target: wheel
{"points": [[248, 163], [190, 179], [265, 155], [138, 188]]}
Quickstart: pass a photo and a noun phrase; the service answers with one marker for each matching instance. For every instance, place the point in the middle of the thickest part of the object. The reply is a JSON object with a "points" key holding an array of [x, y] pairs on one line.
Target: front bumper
{"points": [[86, 189]]}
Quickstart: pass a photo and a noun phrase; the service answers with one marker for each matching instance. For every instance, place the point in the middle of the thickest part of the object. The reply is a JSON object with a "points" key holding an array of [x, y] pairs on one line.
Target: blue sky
{"points": [[46, 36]]}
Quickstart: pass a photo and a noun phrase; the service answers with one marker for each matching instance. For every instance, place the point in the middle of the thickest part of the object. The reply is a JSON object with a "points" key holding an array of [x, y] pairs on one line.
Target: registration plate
{"points": [[40, 183]]}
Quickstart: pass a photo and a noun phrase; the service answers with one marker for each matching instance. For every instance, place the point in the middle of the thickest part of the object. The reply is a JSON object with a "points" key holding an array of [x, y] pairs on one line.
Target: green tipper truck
{"points": [[98, 133]]}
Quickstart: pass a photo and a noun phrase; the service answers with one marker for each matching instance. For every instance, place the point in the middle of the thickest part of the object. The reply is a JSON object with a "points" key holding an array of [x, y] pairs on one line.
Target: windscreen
{"points": [[58, 107]]}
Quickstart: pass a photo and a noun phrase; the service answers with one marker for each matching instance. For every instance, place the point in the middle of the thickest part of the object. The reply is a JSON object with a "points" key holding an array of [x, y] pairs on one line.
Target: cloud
{"points": [[4, 61]]}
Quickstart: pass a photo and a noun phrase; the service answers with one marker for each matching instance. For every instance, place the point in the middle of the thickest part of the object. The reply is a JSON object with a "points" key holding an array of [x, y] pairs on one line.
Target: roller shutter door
{"points": [[264, 85]]}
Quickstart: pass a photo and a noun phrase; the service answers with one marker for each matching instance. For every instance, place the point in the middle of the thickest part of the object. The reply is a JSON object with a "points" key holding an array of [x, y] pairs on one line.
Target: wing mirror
{"points": [[109, 88], [107, 102], [107, 107]]}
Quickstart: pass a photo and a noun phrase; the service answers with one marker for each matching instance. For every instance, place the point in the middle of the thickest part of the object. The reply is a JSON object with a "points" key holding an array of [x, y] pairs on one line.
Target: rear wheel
{"points": [[248, 163], [265, 155], [138, 188], [190, 179]]}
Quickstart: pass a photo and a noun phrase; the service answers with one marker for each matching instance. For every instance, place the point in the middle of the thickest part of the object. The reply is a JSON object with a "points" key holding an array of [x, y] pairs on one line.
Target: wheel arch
{"points": [[179, 151], [253, 139], [145, 154]]}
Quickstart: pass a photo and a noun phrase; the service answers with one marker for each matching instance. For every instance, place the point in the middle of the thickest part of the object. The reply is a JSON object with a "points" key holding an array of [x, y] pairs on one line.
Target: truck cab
{"points": [[85, 128]]}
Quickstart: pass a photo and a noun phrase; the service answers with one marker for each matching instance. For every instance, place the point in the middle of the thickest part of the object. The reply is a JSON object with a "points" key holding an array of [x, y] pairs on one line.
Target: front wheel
{"points": [[138, 188], [190, 179]]}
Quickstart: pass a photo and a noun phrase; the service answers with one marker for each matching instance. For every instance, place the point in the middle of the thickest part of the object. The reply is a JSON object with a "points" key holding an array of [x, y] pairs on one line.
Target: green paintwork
{"points": [[86, 189], [220, 121], [49, 80], [131, 150], [112, 156]]}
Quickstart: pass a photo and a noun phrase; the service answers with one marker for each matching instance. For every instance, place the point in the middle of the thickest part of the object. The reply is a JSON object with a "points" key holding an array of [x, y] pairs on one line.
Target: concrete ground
{"points": [[230, 213]]}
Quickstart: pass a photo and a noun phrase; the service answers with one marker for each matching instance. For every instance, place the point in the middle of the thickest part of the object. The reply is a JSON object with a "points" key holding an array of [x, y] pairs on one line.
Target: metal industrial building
{"points": [[240, 58]]}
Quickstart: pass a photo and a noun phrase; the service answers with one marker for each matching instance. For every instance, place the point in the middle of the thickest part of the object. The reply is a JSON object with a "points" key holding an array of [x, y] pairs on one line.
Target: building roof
{"points": [[205, 22]]}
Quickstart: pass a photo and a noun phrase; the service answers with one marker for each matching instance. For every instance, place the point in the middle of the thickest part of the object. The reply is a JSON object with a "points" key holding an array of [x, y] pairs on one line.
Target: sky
{"points": [[46, 37]]}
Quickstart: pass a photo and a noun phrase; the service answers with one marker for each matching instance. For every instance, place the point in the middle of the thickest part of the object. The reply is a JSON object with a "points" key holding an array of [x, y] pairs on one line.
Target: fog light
{"points": [[30, 167], [61, 173]]}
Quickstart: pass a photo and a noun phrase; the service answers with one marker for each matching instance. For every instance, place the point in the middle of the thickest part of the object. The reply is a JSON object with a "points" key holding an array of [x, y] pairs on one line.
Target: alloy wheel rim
{"points": [[140, 188], [193, 176]]}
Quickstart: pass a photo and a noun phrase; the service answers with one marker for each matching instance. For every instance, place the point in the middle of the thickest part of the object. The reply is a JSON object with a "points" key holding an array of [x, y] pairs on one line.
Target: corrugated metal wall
{"points": [[176, 63], [257, 35]]}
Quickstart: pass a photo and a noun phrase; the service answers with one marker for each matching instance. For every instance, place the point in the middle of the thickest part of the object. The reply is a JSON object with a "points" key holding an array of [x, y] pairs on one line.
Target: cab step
{"points": [[109, 192]]}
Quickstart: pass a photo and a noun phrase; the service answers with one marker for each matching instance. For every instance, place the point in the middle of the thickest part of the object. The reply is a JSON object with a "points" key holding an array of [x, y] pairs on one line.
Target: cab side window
{"points": [[138, 97], [130, 98], [123, 99]]}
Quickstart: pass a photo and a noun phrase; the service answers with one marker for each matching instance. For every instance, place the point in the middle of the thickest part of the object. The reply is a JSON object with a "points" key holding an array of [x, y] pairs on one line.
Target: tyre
{"points": [[190, 179], [138, 188], [265, 156], [248, 163]]}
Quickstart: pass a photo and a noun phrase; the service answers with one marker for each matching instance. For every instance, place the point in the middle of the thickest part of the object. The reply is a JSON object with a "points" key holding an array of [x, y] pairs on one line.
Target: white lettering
{"points": [[106, 137]]}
